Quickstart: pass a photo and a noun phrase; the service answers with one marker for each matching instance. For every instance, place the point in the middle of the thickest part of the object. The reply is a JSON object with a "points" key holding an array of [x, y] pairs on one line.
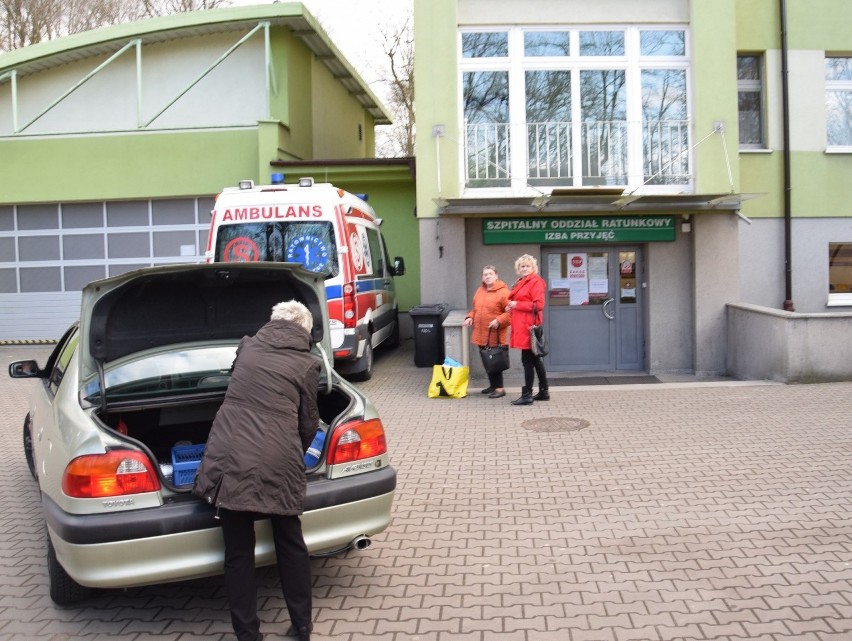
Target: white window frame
{"points": [[516, 65], [839, 299], [755, 86], [837, 85]]}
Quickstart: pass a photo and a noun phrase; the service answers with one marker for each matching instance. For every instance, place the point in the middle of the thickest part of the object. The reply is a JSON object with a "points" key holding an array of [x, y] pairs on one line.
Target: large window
{"points": [[750, 101], [486, 115], [575, 107], [840, 273], [838, 100]]}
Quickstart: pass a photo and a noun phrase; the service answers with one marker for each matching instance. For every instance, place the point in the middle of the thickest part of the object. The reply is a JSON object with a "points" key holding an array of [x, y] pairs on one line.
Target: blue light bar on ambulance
{"points": [[362, 197], [277, 179]]}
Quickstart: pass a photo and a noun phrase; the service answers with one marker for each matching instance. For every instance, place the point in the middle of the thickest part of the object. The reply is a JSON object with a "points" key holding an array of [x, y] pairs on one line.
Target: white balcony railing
{"points": [[582, 154], [487, 155]]}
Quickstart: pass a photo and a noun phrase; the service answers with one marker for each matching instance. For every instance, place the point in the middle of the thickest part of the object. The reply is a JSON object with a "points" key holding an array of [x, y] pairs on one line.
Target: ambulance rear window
{"points": [[309, 243]]}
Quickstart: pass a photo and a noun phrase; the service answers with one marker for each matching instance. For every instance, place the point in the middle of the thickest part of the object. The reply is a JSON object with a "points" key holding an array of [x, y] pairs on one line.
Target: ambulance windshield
{"points": [[309, 243]]}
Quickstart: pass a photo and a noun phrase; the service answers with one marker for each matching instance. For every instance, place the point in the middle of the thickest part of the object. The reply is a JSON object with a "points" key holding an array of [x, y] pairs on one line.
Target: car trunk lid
{"points": [[154, 307]]}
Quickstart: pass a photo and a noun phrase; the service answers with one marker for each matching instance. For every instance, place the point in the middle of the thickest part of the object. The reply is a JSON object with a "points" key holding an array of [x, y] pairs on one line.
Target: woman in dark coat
{"points": [[526, 304], [253, 465]]}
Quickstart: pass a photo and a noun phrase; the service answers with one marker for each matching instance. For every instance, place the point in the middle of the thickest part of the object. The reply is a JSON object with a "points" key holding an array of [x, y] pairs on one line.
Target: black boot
{"points": [[302, 634], [526, 397], [543, 395]]}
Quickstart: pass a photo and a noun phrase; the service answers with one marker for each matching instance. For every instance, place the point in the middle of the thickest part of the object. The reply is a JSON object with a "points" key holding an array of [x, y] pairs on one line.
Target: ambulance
{"points": [[330, 231]]}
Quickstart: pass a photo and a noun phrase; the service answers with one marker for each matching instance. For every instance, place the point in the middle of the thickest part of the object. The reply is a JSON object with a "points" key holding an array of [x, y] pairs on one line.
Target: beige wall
{"points": [[232, 94], [473, 12]]}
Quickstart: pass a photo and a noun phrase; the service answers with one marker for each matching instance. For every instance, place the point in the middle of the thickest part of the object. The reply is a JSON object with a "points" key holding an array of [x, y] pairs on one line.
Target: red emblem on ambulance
{"points": [[241, 250]]}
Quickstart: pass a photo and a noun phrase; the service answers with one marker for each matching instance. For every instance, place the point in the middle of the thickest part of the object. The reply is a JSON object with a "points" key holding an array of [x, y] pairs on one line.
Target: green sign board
{"points": [[583, 229]]}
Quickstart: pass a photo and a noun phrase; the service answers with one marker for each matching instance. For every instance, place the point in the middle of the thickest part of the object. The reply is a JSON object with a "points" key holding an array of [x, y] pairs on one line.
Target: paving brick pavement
{"points": [[613, 513]]}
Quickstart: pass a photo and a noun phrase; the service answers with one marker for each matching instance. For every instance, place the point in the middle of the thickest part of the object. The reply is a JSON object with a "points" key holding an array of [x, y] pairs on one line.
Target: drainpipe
{"points": [[788, 214]]}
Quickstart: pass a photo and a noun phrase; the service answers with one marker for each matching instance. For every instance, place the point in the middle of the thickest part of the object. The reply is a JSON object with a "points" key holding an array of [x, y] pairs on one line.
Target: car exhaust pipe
{"points": [[361, 543]]}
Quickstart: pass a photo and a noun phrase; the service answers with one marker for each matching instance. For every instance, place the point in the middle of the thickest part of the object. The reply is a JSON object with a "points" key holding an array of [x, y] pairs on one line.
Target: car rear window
{"points": [[164, 374]]}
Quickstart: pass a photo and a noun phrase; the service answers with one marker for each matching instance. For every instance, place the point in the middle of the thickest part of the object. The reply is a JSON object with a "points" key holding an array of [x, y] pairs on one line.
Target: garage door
{"points": [[49, 252]]}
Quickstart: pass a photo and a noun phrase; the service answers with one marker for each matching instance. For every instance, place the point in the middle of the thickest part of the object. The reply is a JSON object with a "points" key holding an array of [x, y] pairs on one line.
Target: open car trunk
{"points": [[181, 429], [158, 345]]}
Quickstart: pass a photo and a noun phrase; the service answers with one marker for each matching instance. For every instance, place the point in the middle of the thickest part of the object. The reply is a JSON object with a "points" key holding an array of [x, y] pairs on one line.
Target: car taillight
{"points": [[357, 440], [349, 316], [114, 473]]}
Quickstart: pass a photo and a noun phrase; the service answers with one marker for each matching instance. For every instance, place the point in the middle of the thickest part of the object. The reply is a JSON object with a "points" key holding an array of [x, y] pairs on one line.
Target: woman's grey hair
{"points": [[295, 312]]}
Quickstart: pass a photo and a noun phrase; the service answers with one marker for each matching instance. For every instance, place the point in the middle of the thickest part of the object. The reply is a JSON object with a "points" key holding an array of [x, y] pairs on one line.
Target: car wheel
{"points": [[62, 588], [365, 370], [28, 446]]}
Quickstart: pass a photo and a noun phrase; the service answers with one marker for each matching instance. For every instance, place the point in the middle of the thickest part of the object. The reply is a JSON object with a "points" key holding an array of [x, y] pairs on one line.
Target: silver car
{"points": [[124, 404]]}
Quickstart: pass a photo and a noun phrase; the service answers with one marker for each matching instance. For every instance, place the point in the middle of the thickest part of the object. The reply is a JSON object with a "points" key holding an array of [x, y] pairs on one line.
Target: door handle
{"points": [[606, 311]]}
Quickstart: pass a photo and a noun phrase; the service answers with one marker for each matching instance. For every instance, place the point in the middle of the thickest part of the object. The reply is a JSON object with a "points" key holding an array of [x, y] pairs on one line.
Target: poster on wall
{"points": [[578, 278], [558, 285], [598, 278]]}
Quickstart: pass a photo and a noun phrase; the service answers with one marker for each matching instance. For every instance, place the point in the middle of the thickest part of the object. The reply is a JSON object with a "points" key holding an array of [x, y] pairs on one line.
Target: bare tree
{"points": [[25, 22], [83, 15], [168, 7], [398, 46]]}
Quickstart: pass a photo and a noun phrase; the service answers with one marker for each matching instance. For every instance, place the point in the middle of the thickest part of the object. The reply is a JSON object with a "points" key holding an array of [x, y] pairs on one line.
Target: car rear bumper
{"points": [[183, 540]]}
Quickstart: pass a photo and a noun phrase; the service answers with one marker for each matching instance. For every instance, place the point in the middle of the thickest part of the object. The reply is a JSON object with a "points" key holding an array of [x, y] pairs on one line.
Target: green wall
{"points": [[125, 166], [714, 86], [434, 77], [814, 29], [818, 186], [336, 118]]}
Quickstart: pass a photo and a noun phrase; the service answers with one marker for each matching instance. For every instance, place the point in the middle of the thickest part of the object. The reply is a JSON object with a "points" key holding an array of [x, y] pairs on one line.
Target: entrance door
{"points": [[594, 308]]}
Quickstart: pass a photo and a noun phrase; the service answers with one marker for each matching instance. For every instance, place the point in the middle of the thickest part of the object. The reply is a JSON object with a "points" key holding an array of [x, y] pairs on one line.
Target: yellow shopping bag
{"points": [[449, 382]]}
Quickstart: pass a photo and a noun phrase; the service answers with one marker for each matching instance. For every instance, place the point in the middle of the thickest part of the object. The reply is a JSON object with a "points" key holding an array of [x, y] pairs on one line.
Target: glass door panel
{"points": [[593, 311]]}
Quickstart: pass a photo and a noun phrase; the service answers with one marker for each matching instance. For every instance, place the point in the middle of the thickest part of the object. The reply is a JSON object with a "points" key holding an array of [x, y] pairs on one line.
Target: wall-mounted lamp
{"points": [[686, 223]]}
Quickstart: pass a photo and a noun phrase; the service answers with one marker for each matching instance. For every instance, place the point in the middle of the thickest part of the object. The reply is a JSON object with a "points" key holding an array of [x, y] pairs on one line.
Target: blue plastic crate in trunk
{"points": [[185, 460]]}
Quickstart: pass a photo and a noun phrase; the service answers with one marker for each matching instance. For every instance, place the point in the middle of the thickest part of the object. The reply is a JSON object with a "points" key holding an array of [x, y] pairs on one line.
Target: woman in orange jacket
{"points": [[489, 321]]}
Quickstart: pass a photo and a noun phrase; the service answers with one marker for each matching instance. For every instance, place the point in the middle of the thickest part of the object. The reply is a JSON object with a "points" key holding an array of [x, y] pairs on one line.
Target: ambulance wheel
{"points": [[364, 368], [393, 339]]}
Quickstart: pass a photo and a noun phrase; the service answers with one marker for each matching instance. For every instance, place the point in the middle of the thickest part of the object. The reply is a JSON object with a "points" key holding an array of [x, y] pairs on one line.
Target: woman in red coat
{"points": [[489, 321], [526, 305]]}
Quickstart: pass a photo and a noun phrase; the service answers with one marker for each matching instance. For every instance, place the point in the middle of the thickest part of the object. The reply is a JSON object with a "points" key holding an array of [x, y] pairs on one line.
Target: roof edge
{"points": [[140, 28], [175, 25]]}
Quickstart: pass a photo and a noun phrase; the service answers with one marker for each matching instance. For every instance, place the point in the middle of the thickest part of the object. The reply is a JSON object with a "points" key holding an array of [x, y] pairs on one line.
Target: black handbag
{"points": [[495, 358], [539, 344]]}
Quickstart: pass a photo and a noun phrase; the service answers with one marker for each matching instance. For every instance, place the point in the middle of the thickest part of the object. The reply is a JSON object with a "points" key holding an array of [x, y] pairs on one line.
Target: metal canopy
{"points": [[592, 200]]}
